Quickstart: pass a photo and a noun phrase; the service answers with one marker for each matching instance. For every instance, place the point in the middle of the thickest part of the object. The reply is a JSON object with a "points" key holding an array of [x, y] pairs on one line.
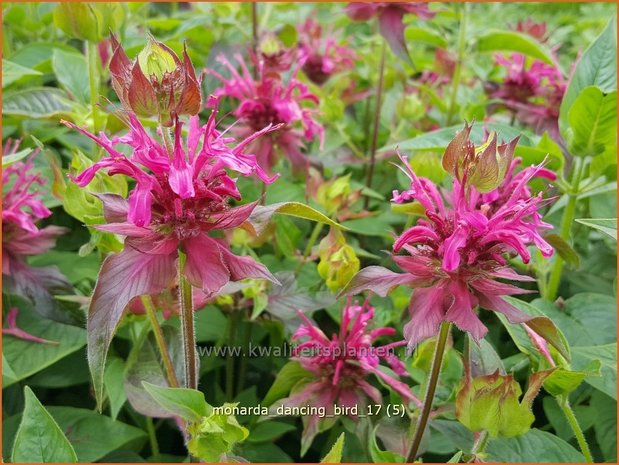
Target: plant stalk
{"points": [[232, 329], [439, 352], [147, 302], [152, 438], [458, 68], [569, 214], [310, 244], [564, 403], [93, 85], [379, 96], [480, 445], [188, 334]]}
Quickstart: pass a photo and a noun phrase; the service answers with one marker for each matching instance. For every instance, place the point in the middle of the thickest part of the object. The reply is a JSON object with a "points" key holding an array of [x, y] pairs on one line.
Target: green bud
{"points": [[338, 261], [156, 61]]}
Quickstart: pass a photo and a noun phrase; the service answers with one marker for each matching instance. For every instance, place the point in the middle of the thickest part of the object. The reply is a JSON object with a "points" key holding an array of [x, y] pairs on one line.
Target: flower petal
{"points": [[205, 267], [377, 279]]}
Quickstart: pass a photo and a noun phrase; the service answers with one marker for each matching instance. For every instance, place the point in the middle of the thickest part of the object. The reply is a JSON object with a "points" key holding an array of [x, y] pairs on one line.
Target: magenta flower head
{"points": [[338, 367], [457, 253], [178, 201], [531, 90], [22, 208], [390, 20], [269, 100], [321, 55]]}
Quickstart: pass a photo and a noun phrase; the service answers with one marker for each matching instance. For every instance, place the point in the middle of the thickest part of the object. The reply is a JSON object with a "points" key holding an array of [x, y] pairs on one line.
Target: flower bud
{"points": [[334, 195], [338, 261], [156, 83], [88, 21], [483, 167]]}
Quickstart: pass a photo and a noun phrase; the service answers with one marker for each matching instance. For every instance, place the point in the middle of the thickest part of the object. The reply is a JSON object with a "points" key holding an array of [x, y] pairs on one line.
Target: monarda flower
{"points": [[157, 82], [321, 56], [179, 200], [338, 367], [269, 100], [390, 20], [531, 90], [458, 252], [22, 208]]}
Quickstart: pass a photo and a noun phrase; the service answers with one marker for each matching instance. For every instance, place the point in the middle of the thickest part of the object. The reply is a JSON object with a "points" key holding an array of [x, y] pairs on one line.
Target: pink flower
{"points": [[322, 57], [22, 208], [269, 100], [390, 20], [339, 366], [534, 29], [457, 253], [178, 201], [532, 92]]}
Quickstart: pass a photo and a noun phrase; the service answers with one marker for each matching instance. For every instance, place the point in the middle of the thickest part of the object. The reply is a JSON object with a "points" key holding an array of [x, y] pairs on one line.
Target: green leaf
{"points": [[535, 447], [597, 67], [71, 71], [189, 404], [592, 122], [439, 139], [37, 102], [261, 215], [607, 355], [8, 375], [605, 225], [290, 374], [563, 381], [39, 439], [94, 435], [269, 431], [335, 454], [12, 72], [421, 34], [8, 160], [113, 381], [510, 41], [605, 425], [27, 358], [564, 249]]}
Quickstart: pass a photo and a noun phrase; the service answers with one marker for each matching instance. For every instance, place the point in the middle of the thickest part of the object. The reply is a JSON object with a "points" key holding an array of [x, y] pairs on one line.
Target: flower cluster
{"points": [[531, 90], [179, 199], [270, 100], [22, 209], [457, 253], [339, 366], [321, 55]]}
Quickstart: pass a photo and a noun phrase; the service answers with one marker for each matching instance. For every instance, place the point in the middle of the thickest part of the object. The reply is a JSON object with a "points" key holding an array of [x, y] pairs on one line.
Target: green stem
{"points": [[93, 84], [188, 334], [310, 245], [480, 445], [167, 139], [379, 96], [244, 359], [163, 348], [458, 68], [566, 227], [564, 403], [152, 437], [439, 352], [232, 328]]}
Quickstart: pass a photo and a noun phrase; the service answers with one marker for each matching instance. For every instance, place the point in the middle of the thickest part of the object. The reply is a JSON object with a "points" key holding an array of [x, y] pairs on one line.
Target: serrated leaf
{"points": [[189, 404], [38, 102], [511, 41], [335, 454], [606, 225], [39, 439]]}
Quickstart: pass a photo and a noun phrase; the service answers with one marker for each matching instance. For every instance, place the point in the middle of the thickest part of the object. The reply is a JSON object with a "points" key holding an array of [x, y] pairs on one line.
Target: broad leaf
{"points": [[605, 425], [189, 404], [564, 249], [113, 380], [269, 431], [39, 439], [534, 447], [592, 123], [288, 376], [607, 355], [71, 70], [597, 67], [12, 72], [39, 102], [606, 225], [123, 276], [511, 41], [261, 215]]}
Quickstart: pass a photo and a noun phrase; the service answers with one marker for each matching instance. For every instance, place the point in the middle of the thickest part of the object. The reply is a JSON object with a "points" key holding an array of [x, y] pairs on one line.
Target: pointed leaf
{"points": [[189, 404], [261, 215], [511, 41], [39, 439], [375, 278], [335, 454], [39, 102], [605, 225]]}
